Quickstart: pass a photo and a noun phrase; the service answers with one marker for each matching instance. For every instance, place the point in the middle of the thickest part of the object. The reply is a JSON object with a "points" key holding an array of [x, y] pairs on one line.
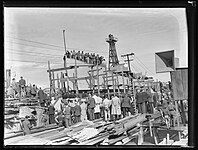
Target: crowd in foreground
{"points": [[74, 108], [94, 106]]}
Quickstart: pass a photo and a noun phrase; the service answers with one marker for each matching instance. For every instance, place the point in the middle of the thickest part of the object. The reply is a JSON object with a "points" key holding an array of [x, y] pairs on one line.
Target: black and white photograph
{"points": [[95, 76]]}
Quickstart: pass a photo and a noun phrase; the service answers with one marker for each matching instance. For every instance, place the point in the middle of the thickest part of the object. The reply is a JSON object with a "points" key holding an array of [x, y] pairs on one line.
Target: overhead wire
{"points": [[32, 53], [144, 65], [69, 48], [138, 66], [34, 46], [145, 69], [35, 42]]}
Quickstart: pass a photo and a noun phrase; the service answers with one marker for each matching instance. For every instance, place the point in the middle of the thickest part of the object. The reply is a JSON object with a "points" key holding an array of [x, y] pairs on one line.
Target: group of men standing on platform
{"points": [[21, 90], [91, 58]]}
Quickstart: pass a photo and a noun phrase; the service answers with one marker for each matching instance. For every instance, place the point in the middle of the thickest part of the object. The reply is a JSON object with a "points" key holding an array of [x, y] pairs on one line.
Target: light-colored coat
{"points": [[116, 106], [98, 101], [83, 107]]}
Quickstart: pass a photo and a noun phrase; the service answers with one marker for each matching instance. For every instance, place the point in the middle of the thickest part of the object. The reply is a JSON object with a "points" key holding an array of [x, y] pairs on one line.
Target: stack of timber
{"points": [[12, 107], [77, 135], [122, 132]]}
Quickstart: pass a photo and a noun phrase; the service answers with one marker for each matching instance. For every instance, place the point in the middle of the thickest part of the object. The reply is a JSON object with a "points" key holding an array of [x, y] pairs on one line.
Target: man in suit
{"points": [[51, 111], [90, 107], [125, 105], [77, 112], [67, 114], [41, 97], [22, 84], [141, 99]]}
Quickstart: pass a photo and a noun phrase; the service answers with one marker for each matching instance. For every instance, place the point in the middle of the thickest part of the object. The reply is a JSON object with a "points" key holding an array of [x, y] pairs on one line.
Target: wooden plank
{"points": [[95, 140], [110, 70], [113, 141], [33, 131], [70, 67], [94, 70], [109, 76]]}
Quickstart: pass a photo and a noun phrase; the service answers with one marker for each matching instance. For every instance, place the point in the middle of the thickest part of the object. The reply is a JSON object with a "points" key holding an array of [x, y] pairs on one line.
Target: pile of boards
{"points": [[11, 111], [97, 132], [122, 132]]}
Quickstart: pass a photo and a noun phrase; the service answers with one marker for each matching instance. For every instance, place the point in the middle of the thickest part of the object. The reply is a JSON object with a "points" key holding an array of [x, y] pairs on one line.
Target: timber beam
{"points": [[70, 67]]}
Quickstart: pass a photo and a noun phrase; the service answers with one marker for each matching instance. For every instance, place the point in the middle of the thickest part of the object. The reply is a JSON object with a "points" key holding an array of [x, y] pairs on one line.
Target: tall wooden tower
{"points": [[113, 58]]}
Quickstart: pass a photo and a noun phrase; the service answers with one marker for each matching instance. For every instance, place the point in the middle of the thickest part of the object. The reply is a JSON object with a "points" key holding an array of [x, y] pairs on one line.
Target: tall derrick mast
{"points": [[113, 58]]}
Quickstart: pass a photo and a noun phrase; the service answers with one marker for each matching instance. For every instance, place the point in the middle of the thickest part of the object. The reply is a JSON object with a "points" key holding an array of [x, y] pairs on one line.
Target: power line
{"points": [[54, 45], [36, 42], [141, 65], [37, 61], [30, 52], [134, 68], [144, 66], [147, 68], [35, 56], [33, 46], [138, 65]]}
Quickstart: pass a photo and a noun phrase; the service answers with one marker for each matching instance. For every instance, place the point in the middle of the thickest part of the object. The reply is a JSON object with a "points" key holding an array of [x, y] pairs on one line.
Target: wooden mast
{"points": [[65, 62], [50, 78]]}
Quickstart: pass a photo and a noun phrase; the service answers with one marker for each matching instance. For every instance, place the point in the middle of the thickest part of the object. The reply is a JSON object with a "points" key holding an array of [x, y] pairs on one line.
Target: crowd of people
{"points": [[21, 90], [90, 58], [95, 106], [90, 106]]}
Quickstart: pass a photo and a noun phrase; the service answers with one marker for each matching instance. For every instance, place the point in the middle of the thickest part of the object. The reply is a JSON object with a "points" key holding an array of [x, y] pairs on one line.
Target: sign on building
{"points": [[164, 61]]}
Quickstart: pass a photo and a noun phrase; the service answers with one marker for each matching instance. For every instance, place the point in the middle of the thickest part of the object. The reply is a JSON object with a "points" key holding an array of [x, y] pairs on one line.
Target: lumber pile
{"points": [[121, 132]]}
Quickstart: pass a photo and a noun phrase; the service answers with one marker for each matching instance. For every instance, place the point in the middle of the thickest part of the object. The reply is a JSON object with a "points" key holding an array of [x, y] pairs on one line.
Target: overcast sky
{"points": [[141, 31]]}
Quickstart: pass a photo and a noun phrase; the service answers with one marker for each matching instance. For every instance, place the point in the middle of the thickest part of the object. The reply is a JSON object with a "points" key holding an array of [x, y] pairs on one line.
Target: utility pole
{"points": [[129, 66], [130, 78], [65, 62], [128, 60]]}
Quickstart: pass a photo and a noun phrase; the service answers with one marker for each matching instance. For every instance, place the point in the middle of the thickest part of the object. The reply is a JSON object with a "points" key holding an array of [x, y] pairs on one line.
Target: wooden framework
{"points": [[110, 79]]}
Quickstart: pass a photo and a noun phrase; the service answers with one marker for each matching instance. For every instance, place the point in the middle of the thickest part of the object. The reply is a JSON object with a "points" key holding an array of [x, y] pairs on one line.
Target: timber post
{"points": [[50, 78], [98, 79], [58, 81], [65, 63], [113, 83], [53, 82], [76, 77]]}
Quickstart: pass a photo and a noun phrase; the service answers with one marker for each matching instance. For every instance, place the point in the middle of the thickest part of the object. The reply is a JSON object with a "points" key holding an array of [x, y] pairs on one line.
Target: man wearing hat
{"points": [[51, 111], [22, 84], [41, 97], [125, 104], [14, 86], [116, 107], [83, 107], [67, 114], [77, 112], [90, 107], [26, 126]]}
